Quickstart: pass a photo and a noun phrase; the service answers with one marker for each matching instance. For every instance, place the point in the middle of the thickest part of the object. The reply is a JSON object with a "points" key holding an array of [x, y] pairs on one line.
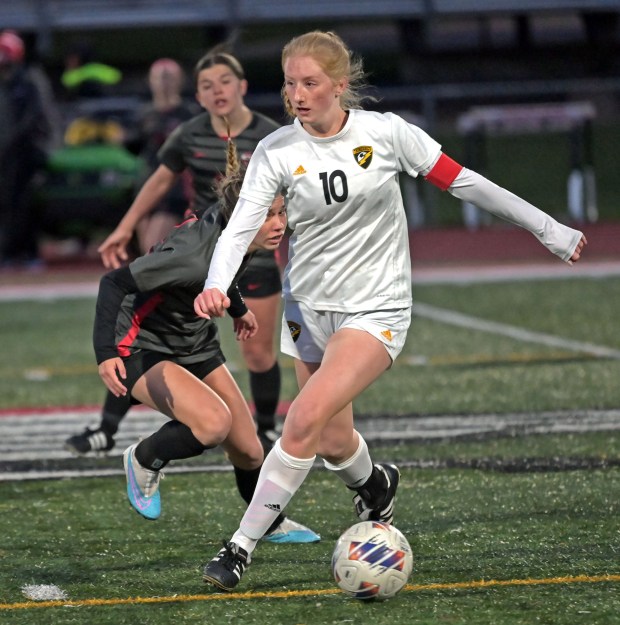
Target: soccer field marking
{"points": [[451, 317], [462, 274], [22, 442], [513, 272], [287, 594]]}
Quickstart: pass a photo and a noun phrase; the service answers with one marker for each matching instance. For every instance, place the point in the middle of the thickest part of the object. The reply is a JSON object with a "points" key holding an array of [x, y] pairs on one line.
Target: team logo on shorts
{"points": [[363, 155], [294, 329]]}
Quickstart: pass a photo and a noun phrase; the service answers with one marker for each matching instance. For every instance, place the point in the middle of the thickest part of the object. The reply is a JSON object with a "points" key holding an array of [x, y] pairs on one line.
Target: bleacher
{"points": [[50, 15]]}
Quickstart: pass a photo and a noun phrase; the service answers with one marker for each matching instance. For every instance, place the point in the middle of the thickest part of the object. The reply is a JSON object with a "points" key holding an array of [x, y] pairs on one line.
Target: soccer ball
{"points": [[372, 560]]}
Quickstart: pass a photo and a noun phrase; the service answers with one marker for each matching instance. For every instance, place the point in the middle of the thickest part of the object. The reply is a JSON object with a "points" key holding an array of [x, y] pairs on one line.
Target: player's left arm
{"points": [[469, 186]]}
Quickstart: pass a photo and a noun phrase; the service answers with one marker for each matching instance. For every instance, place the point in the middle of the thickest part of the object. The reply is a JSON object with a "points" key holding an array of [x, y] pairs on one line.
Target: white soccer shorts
{"points": [[305, 332]]}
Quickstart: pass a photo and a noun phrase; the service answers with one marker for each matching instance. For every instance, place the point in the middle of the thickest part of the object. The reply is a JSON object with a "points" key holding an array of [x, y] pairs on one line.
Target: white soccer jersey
{"points": [[349, 251]]}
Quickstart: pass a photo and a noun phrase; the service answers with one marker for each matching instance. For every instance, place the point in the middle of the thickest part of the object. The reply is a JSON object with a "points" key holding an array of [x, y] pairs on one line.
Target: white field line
{"points": [[48, 292], [38, 436], [529, 336], [420, 275], [514, 272]]}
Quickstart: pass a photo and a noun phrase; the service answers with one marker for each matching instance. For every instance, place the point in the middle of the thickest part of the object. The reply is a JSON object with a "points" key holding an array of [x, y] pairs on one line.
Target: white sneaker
{"points": [[290, 531]]}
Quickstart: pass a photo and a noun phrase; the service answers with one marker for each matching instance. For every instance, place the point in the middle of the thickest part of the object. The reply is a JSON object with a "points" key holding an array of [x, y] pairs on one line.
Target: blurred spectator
{"points": [[24, 133], [38, 74], [85, 78], [156, 121]]}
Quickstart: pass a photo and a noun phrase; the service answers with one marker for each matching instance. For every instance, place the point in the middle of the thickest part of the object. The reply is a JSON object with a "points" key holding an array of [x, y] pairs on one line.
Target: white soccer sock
{"points": [[357, 469], [280, 477]]}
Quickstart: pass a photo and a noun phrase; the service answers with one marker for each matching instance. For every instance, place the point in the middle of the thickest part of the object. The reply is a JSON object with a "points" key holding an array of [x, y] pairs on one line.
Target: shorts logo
{"points": [[299, 171], [294, 329], [387, 334], [363, 155]]}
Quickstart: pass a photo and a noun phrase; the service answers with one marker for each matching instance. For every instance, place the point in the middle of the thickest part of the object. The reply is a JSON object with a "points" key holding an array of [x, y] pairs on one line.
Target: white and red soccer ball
{"points": [[372, 560]]}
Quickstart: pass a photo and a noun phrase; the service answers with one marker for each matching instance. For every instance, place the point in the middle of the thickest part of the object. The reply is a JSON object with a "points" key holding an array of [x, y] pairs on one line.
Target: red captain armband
{"points": [[444, 172]]}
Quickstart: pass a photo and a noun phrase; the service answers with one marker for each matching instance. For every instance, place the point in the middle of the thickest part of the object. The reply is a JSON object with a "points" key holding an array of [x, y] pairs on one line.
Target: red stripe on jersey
{"points": [[136, 322], [444, 172], [187, 218]]}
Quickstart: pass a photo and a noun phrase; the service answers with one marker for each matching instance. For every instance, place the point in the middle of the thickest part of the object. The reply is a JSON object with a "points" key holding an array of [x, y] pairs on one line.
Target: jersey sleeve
{"points": [[558, 238], [237, 307], [262, 181], [234, 241], [113, 288], [415, 150], [171, 152]]}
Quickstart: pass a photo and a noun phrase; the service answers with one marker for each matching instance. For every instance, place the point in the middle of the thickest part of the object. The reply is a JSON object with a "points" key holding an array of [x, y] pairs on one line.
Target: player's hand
{"points": [[111, 372], [245, 327], [578, 250], [211, 303], [114, 249]]}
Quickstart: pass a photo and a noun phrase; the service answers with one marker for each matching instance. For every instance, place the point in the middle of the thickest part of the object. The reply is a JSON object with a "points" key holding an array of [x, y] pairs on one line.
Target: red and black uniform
{"points": [[145, 312], [196, 147]]}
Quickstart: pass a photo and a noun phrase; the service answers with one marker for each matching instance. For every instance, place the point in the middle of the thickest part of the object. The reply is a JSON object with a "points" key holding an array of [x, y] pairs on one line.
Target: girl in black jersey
{"points": [[153, 349], [198, 146]]}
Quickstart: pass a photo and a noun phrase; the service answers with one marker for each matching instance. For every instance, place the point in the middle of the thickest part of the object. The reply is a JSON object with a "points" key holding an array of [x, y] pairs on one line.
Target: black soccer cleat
{"points": [[374, 504], [226, 569], [89, 440], [267, 438]]}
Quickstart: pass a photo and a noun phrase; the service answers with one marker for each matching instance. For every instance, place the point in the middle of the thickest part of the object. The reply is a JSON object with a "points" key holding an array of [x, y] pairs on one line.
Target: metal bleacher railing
{"points": [[46, 17], [91, 14]]}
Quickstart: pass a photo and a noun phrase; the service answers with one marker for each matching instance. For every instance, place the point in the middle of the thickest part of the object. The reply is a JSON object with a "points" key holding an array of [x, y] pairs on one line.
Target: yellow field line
{"points": [[46, 372], [491, 583]]}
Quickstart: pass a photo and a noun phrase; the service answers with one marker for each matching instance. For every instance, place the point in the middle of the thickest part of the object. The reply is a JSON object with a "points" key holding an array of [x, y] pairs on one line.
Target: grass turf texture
{"points": [[464, 524], [48, 356]]}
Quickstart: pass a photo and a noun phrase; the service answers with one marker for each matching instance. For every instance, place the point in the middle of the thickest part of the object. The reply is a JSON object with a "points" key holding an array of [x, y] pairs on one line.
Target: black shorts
{"points": [[260, 280], [140, 362]]}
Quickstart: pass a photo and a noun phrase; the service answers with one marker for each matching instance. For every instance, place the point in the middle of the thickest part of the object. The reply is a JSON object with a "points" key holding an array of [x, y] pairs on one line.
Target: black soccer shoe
{"points": [[226, 569], [267, 439], [374, 504], [89, 440]]}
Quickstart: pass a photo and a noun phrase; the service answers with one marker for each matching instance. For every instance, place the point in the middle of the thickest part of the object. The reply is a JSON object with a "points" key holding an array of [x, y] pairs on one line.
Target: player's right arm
{"points": [[114, 249], [229, 251], [113, 288]]}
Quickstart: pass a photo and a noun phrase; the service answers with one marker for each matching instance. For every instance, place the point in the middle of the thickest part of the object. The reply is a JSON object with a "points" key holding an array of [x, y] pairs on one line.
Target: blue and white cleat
{"points": [[292, 532], [142, 486]]}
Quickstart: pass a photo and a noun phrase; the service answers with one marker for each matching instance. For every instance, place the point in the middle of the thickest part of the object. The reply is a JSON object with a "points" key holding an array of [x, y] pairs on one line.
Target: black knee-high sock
{"points": [[246, 485], [265, 389], [173, 441], [114, 409]]}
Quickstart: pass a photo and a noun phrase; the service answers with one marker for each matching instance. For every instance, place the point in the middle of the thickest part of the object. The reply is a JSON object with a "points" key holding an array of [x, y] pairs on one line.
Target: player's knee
{"points": [[250, 457], [258, 357], [304, 423], [213, 426]]}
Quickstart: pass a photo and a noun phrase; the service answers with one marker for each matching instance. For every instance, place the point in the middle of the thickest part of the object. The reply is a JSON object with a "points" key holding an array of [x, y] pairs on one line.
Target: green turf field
{"points": [[504, 529]]}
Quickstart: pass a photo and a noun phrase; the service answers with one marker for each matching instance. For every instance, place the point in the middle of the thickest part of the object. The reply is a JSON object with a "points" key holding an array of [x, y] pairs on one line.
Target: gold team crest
{"points": [[363, 155], [294, 329]]}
